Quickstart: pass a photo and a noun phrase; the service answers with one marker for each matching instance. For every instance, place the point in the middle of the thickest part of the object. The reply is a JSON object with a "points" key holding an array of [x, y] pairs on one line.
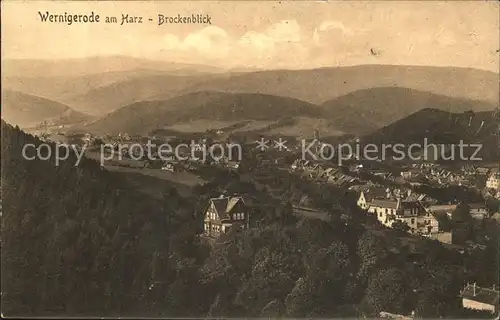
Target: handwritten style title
{"points": [[92, 17]]}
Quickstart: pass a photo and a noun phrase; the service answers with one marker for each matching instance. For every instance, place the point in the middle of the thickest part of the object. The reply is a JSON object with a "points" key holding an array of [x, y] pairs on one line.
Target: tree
{"points": [[371, 251], [400, 226], [462, 224], [254, 295], [461, 213], [299, 301], [387, 291]]}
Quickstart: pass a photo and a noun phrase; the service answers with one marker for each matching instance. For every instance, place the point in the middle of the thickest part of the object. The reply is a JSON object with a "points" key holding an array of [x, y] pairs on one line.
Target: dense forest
{"points": [[79, 241]]}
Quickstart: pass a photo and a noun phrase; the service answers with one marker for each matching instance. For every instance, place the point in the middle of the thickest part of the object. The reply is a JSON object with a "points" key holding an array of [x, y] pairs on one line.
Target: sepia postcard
{"points": [[254, 159]]}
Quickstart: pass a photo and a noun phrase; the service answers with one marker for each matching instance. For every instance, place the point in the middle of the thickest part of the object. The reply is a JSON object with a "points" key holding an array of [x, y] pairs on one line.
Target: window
{"points": [[385, 210], [412, 220]]}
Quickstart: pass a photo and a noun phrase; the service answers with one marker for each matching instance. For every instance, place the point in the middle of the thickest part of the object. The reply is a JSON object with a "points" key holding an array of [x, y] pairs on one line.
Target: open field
{"points": [[151, 181]]}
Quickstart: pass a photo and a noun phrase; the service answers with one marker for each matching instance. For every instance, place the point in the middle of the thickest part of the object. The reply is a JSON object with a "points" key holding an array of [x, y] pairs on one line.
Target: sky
{"points": [[267, 35]]}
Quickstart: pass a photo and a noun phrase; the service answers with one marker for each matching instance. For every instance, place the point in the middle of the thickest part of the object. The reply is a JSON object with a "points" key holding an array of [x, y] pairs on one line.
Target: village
{"points": [[420, 199]]}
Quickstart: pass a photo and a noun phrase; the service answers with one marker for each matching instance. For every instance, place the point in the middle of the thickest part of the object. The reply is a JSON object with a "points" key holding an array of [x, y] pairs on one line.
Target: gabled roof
{"points": [[384, 204], [375, 193], [479, 294], [442, 208], [411, 205], [482, 170], [224, 206], [330, 170], [477, 206], [395, 204]]}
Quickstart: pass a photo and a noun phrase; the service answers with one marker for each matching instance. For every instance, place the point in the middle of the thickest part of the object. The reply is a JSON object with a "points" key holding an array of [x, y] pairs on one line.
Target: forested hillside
{"points": [[75, 240]]}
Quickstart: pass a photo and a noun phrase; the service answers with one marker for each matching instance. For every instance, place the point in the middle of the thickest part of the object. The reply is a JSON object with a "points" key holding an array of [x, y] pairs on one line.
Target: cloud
{"points": [[284, 31], [207, 39], [214, 42], [256, 40], [330, 30], [334, 25], [211, 41], [281, 39]]}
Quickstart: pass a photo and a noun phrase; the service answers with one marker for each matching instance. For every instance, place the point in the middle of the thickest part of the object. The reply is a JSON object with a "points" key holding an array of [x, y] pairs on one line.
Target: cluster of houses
{"points": [[167, 160], [467, 176], [323, 173], [390, 206], [421, 213]]}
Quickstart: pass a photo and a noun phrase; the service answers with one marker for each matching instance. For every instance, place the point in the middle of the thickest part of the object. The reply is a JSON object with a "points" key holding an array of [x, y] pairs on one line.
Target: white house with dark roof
{"points": [[370, 194], [410, 212], [388, 211], [223, 213], [493, 181], [478, 210], [479, 298]]}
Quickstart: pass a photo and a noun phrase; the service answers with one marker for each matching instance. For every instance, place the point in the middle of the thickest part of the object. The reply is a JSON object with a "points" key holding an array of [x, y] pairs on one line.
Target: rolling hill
{"points": [[27, 110], [64, 88], [314, 86], [357, 113], [143, 117], [367, 110], [320, 85], [105, 99], [99, 93], [442, 128]]}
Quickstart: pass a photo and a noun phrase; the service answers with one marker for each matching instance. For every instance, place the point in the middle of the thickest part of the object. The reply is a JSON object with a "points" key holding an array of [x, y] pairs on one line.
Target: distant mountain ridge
{"points": [[320, 85], [95, 65], [357, 113], [443, 128], [146, 116], [102, 100], [378, 107], [100, 94], [27, 110]]}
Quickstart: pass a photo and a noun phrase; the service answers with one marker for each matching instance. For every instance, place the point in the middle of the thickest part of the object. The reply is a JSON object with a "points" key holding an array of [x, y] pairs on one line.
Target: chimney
{"points": [[474, 290], [316, 134]]}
